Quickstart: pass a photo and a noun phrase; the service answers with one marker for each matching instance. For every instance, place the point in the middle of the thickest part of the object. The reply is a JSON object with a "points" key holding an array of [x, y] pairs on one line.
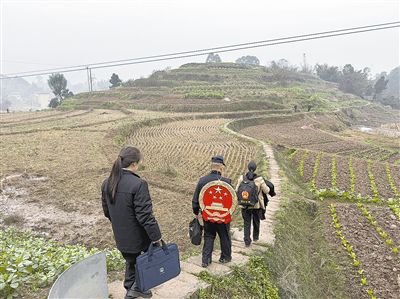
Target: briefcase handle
{"points": [[151, 248]]}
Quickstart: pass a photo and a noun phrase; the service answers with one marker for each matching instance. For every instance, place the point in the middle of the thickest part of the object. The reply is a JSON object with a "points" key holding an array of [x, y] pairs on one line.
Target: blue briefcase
{"points": [[157, 265]]}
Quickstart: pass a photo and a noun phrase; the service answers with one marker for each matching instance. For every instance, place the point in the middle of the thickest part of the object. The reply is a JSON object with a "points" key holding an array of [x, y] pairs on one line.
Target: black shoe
{"points": [[134, 292], [247, 245], [224, 261], [206, 264]]}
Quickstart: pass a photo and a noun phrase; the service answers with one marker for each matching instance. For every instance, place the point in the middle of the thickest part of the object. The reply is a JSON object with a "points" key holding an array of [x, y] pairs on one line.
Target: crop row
{"points": [[384, 235], [204, 95], [350, 251], [349, 174], [301, 163], [391, 182], [187, 147], [68, 121]]}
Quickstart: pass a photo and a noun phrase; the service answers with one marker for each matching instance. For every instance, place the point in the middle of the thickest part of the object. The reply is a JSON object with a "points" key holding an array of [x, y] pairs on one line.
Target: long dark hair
{"points": [[126, 157], [251, 175]]}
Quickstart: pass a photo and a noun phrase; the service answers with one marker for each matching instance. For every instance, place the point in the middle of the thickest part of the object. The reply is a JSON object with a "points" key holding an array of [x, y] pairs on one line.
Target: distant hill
{"points": [[212, 87]]}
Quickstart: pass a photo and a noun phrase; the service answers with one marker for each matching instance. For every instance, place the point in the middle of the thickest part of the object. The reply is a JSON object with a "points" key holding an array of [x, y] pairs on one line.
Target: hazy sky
{"points": [[43, 34]]}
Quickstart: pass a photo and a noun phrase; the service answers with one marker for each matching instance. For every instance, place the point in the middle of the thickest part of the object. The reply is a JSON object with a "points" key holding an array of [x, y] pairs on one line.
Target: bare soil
{"points": [[395, 173], [308, 167], [381, 266], [381, 180], [353, 286], [388, 221], [343, 173], [324, 174], [362, 181]]}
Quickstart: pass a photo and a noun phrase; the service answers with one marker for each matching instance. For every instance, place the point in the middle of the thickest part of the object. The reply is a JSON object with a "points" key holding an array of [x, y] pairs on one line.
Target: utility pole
{"points": [[87, 76], [91, 80], [306, 69]]}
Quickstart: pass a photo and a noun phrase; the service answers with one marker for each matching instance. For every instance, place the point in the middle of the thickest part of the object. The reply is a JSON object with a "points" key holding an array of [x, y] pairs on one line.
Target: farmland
{"points": [[53, 163], [355, 176], [53, 167]]}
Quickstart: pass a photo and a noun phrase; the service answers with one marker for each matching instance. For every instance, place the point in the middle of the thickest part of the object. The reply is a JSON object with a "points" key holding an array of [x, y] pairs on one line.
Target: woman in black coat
{"points": [[126, 202]]}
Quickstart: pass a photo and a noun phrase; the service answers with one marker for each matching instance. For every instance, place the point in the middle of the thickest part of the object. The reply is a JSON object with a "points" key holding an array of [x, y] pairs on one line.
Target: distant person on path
{"points": [[213, 228], [253, 188], [126, 202]]}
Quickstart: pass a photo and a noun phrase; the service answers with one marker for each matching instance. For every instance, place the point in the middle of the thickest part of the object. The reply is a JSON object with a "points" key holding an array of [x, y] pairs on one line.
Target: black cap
{"points": [[218, 159]]}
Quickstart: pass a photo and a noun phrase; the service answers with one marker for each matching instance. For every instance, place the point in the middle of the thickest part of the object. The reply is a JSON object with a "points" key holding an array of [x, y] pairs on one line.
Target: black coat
{"points": [[131, 215], [213, 176]]}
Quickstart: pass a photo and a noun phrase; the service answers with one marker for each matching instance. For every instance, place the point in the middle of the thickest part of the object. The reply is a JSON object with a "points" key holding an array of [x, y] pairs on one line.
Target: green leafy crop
{"points": [[32, 262]]}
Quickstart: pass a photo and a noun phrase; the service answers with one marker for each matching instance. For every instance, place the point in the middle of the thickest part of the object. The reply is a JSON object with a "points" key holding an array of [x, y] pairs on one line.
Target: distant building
{"points": [[43, 98]]}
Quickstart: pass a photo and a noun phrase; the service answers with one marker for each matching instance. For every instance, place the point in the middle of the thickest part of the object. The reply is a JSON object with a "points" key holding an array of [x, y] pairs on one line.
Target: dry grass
{"points": [[76, 153]]}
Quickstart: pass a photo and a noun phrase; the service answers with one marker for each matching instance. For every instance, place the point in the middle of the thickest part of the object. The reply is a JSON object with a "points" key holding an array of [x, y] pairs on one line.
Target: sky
{"points": [[43, 34]]}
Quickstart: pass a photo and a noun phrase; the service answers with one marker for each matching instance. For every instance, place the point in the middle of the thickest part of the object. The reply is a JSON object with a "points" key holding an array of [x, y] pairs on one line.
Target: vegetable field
{"points": [[376, 180], [369, 237], [356, 178]]}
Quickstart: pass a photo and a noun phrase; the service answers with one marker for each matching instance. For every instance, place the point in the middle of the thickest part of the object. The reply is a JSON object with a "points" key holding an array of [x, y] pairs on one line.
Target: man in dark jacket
{"points": [[211, 228], [133, 223]]}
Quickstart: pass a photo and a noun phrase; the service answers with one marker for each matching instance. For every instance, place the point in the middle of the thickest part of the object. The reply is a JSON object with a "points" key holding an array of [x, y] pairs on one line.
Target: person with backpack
{"points": [[127, 204], [250, 190], [214, 225]]}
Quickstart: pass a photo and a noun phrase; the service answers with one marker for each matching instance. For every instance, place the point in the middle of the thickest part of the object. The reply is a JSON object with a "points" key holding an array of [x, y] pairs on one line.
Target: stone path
{"points": [[187, 282]]}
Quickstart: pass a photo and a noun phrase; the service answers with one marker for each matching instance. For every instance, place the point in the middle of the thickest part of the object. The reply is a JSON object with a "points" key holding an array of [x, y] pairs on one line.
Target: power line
{"points": [[223, 49], [203, 50], [244, 48]]}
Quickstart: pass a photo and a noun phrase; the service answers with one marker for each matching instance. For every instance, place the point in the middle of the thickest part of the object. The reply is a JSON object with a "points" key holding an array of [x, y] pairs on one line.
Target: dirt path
{"points": [[187, 282]]}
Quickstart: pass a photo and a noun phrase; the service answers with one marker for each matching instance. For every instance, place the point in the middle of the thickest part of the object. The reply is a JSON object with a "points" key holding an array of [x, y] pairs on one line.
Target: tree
{"points": [[353, 81], [58, 85], [328, 73], [54, 102], [251, 60], [313, 101], [282, 71], [380, 86], [115, 81], [213, 58]]}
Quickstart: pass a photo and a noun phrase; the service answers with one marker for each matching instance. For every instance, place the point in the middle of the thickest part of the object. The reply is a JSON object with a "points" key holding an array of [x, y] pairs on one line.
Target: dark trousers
{"points": [[211, 229], [130, 262], [248, 215]]}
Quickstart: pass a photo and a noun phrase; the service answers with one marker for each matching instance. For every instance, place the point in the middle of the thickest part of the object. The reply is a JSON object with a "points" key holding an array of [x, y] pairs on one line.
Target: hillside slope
{"points": [[198, 87]]}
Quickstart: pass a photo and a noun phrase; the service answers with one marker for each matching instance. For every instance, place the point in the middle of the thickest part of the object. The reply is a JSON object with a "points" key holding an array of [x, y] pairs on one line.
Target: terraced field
{"points": [[176, 155], [340, 166], [52, 169], [323, 133], [76, 119], [53, 162], [215, 87], [187, 146]]}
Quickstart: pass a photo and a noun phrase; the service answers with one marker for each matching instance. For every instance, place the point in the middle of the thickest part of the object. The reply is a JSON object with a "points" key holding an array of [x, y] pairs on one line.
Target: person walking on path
{"points": [[127, 204], [253, 213], [213, 228]]}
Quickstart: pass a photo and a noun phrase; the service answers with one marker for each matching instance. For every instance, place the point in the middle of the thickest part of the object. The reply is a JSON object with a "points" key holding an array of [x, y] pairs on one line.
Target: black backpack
{"points": [[247, 193]]}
